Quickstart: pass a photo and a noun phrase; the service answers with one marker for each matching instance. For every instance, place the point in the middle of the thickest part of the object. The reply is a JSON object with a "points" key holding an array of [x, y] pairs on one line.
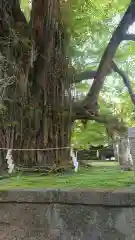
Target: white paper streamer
{"points": [[74, 159], [10, 161]]}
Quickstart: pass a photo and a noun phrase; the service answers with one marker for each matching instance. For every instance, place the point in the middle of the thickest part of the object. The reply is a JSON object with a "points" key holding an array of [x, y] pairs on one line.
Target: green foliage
{"points": [[114, 101], [92, 23], [92, 133], [89, 17], [26, 7]]}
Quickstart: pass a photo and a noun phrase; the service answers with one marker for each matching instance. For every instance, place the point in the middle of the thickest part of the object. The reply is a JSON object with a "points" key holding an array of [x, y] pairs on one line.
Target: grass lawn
{"points": [[101, 175]]}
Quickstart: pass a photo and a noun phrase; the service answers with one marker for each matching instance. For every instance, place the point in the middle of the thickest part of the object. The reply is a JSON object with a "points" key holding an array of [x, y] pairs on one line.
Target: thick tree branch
{"points": [[84, 76], [14, 28], [125, 80], [91, 74], [105, 64], [111, 122], [45, 34], [17, 13], [38, 21], [42, 21], [11, 15], [129, 37]]}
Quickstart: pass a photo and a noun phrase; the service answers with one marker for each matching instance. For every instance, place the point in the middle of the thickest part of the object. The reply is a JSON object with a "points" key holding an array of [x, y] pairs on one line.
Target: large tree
{"points": [[36, 77]]}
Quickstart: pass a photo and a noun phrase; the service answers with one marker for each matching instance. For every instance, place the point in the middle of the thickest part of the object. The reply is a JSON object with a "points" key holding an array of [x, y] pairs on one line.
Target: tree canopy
{"points": [[98, 31], [89, 42]]}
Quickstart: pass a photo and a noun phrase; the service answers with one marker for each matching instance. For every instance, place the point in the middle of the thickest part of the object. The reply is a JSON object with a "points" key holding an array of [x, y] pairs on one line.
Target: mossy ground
{"points": [[100, 175]]}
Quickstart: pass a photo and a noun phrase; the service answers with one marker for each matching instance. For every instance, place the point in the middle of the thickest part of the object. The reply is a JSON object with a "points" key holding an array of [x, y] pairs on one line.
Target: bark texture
{"points": [[125, 158], [37, 63]]}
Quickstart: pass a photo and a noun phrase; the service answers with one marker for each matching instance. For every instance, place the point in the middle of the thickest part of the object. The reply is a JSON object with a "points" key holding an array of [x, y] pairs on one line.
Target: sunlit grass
{"points": [[104, 163], [101, 175]]}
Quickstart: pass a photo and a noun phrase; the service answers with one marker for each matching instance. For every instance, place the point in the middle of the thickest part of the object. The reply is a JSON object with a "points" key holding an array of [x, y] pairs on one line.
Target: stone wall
{"points": [[67, 215]]}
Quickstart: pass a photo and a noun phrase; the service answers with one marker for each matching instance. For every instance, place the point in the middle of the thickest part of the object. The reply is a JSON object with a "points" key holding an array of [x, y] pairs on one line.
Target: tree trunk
{"points": [[116, 151], [125, 158], [38, 101]]}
